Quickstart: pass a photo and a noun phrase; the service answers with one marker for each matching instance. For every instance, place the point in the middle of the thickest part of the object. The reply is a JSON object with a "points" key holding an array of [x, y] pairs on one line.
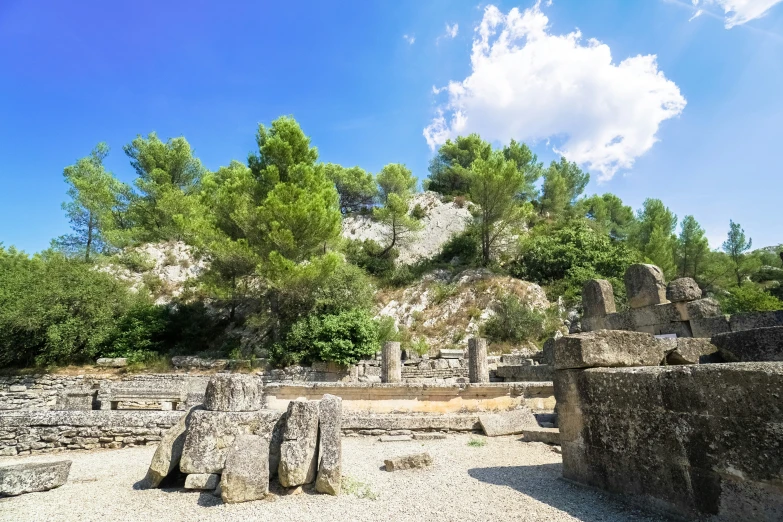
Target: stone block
{"points": [[75, 399], [545, 435], [19, 479], [749, 321], [757, 345], [233, 392], [690, 350], [683, 289], [478, 368], [298, 452], [416, 461], [507, 422], [429, 436], [654, 315], [620, 321], [597, 299], [451, 354], [679, 328], [644, 285], [203, 481], [699, 309], [330, 452], [391, 362], [211, 434], [548, 352], [246, 473], [709, 326], [395, 438], [169, 452], [112, 362], [590, 324], [608, 348], [526, 373]]}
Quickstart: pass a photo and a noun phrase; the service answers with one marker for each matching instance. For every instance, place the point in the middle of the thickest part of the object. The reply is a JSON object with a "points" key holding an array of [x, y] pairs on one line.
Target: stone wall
{"points": [[22, 433], [690, 439]]}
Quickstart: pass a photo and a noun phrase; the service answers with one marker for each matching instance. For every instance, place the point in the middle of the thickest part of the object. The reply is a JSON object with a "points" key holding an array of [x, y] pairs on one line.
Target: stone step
{"points": [[546, 435]]}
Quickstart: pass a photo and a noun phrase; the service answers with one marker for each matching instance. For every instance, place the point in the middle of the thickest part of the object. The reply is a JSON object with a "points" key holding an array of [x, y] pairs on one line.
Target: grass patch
{"points": [[357, 488], [476, 443]]}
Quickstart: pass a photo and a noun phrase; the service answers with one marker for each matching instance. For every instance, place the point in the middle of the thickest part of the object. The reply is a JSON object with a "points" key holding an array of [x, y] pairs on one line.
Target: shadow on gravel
{"points": [[207, 499], [542, 482]]}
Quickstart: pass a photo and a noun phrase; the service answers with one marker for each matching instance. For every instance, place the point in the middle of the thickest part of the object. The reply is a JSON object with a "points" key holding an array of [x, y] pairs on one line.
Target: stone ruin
{"points": [[234, 447]]}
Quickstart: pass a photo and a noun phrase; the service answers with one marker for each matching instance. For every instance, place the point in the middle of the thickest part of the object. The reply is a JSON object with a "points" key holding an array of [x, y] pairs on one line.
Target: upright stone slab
{"points": [[169, 452], [330, 451], [246, 475], [233, 392], [36, 476], [391, 362], [683, 289], [478, 369], [644, 285], [598, 298], [298, 455]]}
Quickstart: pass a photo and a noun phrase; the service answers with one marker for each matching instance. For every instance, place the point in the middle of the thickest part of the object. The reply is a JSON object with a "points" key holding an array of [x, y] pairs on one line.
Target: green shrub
{"points": [[749, 298], [135, 261], [464, 247], [420, 346], [442, 291], [367, 255], [514, 321], [138, 334], [387, 330], [418, 212]]}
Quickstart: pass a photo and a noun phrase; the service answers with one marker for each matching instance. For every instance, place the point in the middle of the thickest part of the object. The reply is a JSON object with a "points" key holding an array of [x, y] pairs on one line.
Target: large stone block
{"points": [[644, 285], [699, 309], [749, 321], [654, 315], [478, 368], [211, 434], [507, 422], [330, 449], [202, 481], [760, 344], [691, 350], [169, 452], [683, 289], [545, 435], [246, 473], [298, 452], [709, 326], [590, 324], [75, 399], [31, 477], [620, 321], [608, 348], [597, 298], [418, 460], [233, 392], [391, 362]]}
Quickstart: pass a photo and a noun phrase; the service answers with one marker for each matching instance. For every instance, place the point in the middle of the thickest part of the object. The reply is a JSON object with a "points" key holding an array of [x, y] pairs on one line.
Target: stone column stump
{"points": [[391, 362], [478, 369]]}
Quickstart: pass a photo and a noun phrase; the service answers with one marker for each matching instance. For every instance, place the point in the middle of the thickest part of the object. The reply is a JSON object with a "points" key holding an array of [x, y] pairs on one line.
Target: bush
{"points": [[343, 338], [138, 334], [464, 247], [749, 298], [460, 202], [420, 346], [514, 321], [367, 255], [136, 261], [387, 330], [442, 291], [418, 212]]}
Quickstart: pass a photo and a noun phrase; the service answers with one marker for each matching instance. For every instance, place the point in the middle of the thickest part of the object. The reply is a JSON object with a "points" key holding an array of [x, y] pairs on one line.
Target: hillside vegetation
{"points": [[288, 258]]}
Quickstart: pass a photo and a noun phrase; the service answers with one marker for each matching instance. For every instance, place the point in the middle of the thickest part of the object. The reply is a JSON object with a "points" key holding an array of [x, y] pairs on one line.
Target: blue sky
{"points": [[700, 127]]}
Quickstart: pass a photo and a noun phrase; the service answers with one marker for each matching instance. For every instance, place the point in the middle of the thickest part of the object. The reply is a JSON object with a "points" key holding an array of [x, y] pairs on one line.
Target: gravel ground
{"points": [[503, 480]]}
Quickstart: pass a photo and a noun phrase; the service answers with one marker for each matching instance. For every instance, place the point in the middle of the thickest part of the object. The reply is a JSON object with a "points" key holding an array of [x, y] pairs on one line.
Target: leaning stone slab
{"points": [[29, 478], [683, 289], [204, 481], [758, 345], [246, 474], [415, 461], [330, 447], [109, 362], [644, 285], [749, 321], [298, 456], [507, 422], [211, 434], [598, 298], [545, 435], [167, 456], [608, 348], [233, 392]]}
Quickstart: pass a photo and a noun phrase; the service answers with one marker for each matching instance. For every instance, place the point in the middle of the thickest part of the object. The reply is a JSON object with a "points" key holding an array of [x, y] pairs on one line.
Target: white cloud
{"points": [[409, 38], [452, 30], [738, 12], [530, 85]]}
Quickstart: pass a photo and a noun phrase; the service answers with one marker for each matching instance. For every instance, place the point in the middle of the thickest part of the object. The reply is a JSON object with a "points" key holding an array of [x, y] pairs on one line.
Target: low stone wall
{"points": [[22, 433], [693, 439], [418, 398], [525, 372]]}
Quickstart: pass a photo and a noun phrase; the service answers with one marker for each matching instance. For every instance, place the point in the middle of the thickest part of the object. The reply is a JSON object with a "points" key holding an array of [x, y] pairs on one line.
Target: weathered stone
{"points": [[233, 392], [298, 455], [211, 434], [167, 456], [690, 350], [644, 285], [204, 481], [522, 373], [429, 436], [699, 309], [683, 289], [589, 324], [507, 422], [478, 369], [548, 352], [415, 461], [654, 315], [109, 362], [246, 473], [619, 321], [680, 329], [545, 435], [395, 438], [749, 321], [709, 326], [75, 399], [29, 478], [597, 298], [450, 354], [606, 348], [760, 344], [330, 448], [391, 362]]}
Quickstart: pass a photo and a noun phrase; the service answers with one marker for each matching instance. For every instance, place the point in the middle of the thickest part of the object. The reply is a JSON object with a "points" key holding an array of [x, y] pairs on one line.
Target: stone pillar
{"points": [[391, 362], [478, 370]]}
